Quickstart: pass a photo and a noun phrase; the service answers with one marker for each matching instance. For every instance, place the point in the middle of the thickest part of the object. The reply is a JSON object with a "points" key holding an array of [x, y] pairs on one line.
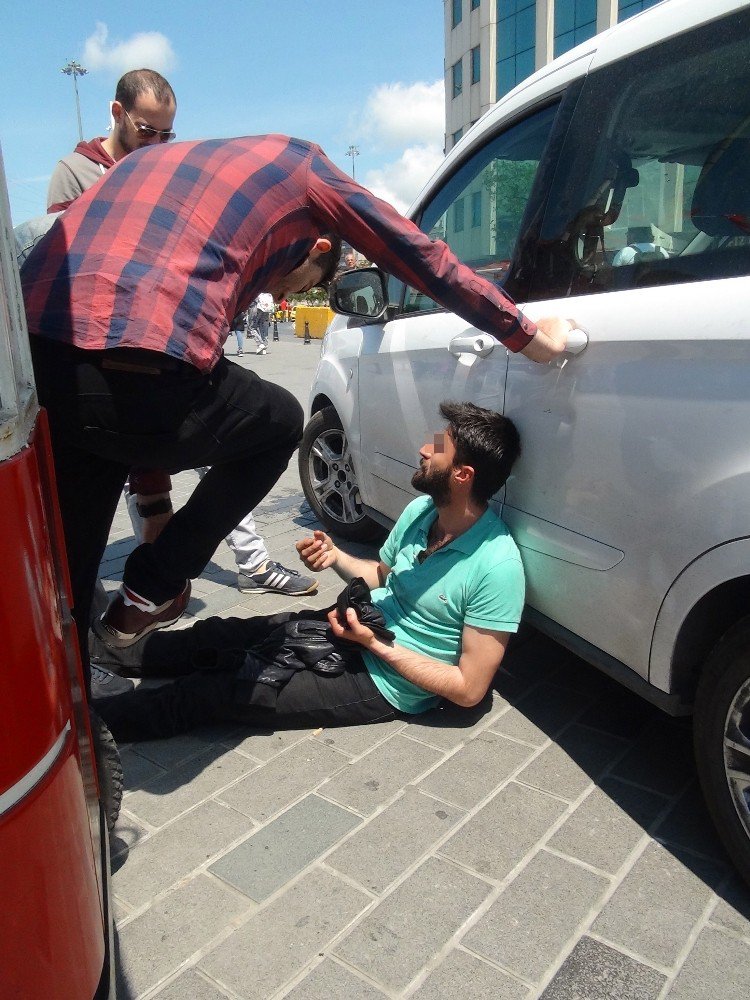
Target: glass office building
{"points": [[491, 45]]}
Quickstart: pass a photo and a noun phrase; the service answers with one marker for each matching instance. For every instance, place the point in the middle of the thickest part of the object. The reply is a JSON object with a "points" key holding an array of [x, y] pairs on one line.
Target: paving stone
{"points": [[732, 910], [280, 850], [656, 906], [497, 837], [688, 824], [449, 725], [356, 740], [534, 917], [717, 966], [476, 769], [535, 658], [331, 981], [661, 758], [608, 824], [174, 751], [286, 777], [593, 971], [394, 840], [568, 766], [190, 985], [175, 851], [137, 770], [156, 943], [408, 928], [376, 777], [264, 744], [540, 714], [126, 834], [278, 941], [462, 977], [173, 793], [620, 713]]}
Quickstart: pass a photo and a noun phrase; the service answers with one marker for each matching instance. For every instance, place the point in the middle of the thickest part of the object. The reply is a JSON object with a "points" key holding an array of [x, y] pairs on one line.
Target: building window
{"points": [[458, 216], [475, 65], [476, 209], [626, 8], [475, 4], [575, 22], [516, 42], [457, 136], [457, 12], [458, 78]]}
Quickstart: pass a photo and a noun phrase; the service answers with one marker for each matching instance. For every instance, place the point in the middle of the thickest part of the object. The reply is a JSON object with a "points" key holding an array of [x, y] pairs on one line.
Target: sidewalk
{"points": [[551, 843]]}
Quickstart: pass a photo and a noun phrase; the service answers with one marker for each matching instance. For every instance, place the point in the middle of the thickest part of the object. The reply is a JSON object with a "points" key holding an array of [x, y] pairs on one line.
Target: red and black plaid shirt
{"points": [[176, 239]]}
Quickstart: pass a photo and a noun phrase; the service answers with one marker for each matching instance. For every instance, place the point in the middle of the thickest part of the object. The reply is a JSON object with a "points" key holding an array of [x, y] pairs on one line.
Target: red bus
{"points": [[55, 918]]}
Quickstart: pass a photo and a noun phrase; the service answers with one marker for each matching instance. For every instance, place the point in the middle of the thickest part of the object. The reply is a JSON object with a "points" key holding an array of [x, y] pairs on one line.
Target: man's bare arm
{"points": [[465, 684], [318, 553]]}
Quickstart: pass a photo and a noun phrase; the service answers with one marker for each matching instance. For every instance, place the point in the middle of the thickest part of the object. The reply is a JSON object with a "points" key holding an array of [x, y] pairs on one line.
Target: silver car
{"points": [[612, 187]]}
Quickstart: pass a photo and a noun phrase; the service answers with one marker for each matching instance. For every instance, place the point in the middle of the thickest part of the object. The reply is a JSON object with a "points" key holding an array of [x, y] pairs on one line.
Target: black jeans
{"points": [[103, 421], [211, 695]]}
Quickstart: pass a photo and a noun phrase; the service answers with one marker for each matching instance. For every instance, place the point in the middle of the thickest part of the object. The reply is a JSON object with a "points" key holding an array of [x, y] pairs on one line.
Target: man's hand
{"points": [[550, 339], [317, 552], [355, 630]]}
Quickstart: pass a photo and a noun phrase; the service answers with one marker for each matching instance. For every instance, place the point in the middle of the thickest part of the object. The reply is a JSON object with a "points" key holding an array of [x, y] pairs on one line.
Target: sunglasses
{"points": [[165, 134]]}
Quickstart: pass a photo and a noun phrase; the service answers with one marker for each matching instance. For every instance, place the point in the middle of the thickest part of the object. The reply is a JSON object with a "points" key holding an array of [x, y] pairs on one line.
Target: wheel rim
{"points": [[333, 479], [737, 753]]}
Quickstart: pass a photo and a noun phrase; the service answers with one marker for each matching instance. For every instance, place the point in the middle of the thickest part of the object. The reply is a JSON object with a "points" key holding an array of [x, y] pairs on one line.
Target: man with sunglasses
{"points": [[129, 299], [143, 111]]}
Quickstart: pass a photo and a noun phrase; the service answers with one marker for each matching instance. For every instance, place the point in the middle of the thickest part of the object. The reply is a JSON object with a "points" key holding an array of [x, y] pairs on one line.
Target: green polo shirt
{"points": [[477, 579]]}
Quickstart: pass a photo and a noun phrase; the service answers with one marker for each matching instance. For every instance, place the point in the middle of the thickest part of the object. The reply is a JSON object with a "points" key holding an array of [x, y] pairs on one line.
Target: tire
{"points": [[330, 481], [721, 737], [109, 769]]}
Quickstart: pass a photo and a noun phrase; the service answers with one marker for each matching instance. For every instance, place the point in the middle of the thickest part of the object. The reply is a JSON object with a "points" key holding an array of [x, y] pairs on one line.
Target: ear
{"points": [[464, 474], [321, 246], [117, 110]]}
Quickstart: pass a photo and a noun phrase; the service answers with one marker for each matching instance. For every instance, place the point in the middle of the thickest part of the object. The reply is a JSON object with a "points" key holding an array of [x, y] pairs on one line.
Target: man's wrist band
{"points": [[163, 506]]}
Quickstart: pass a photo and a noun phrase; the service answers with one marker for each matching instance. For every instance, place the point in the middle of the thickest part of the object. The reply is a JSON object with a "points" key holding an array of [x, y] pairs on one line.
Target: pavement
{"points": [[551, 843]]}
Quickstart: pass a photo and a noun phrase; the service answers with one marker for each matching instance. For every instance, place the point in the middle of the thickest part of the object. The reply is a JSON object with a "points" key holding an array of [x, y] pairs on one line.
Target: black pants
{"points": [[211, 695], [103, 421]]}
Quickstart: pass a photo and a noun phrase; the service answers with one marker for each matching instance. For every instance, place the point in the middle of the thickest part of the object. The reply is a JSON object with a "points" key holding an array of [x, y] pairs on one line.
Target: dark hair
{"points": [[143, 81], [329, 260], [484, 439]]}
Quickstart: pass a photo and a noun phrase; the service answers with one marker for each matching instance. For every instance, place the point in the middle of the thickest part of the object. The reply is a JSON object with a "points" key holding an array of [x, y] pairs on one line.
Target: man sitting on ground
{"points": [[448, 585]]}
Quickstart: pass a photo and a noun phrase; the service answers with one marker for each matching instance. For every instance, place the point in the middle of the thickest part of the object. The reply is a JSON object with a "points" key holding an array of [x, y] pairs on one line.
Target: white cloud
{"points": [[408, 119], [401, 181], [149, 49], [397, 114]]}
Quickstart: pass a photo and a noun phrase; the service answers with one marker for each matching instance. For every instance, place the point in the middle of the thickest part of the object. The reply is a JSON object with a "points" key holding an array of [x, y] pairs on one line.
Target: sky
{"points": [[367, 73]]}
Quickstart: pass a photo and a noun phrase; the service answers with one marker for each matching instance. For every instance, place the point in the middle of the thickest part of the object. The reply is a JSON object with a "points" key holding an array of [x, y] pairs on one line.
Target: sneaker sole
{"points": [[244, 589], [121, 640]]}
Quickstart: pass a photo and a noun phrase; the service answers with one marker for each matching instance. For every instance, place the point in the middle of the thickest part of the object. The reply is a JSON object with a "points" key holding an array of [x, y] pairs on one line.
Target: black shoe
{"points": [[105, 684]]}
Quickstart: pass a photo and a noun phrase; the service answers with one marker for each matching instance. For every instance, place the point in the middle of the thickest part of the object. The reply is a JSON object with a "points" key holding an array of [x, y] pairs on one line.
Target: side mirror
{"points": [[361, 292]]}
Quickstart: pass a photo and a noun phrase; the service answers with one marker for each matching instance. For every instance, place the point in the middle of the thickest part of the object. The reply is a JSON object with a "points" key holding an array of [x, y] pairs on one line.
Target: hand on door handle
{"points": [[577, 342]]}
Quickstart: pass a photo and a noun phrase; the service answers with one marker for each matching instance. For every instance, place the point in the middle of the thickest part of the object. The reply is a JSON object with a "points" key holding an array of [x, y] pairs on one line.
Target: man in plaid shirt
{"points": [[129, 299]]}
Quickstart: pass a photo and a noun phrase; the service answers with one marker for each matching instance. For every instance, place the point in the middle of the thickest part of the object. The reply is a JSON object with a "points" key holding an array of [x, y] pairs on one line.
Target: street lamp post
{"points": [[353, 151], [75, 70]]}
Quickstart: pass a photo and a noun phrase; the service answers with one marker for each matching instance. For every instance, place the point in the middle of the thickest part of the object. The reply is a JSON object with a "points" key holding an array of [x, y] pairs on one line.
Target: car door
{"points": [[425, 355], [634, 451]]}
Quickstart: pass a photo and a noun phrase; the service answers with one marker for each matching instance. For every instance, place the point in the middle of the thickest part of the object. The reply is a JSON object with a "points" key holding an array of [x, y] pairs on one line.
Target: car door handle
{"points": [[480, 344], [577, 341]]}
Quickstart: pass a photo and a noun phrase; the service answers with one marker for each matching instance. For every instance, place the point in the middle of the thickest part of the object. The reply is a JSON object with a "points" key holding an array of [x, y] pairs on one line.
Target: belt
{"points": [[128, 366], [145, 363]]}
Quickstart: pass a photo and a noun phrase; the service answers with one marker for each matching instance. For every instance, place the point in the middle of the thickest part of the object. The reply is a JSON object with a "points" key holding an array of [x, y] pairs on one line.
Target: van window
{"points": [[479, 211], [653, 182]]}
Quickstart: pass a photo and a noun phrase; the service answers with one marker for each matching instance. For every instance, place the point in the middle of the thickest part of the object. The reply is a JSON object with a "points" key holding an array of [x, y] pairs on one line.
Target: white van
{"points": [[612, 187]]}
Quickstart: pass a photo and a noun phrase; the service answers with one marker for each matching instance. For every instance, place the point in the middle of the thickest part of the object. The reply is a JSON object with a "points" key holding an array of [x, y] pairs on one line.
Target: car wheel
{"points": [[109, 769], [722, 741], [330, 481]]}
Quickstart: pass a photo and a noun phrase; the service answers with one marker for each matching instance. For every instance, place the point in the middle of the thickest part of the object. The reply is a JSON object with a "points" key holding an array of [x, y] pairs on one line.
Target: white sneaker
{"points": [[260, 349]]}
